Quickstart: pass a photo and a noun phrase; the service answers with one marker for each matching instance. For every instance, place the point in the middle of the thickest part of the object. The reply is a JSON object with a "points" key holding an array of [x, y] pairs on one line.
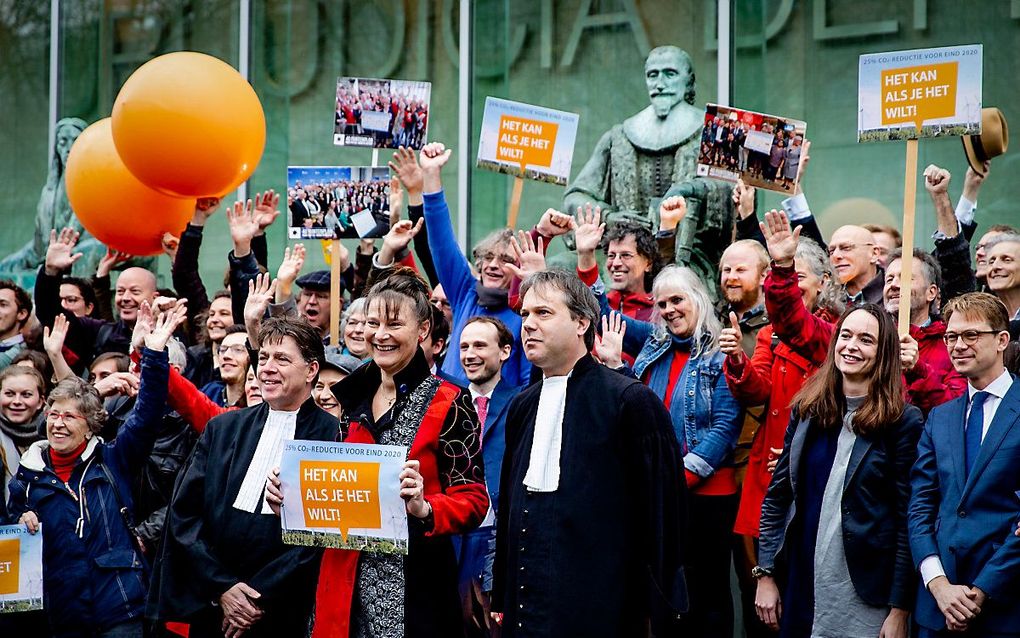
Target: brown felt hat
{"points": [[992, 142]]}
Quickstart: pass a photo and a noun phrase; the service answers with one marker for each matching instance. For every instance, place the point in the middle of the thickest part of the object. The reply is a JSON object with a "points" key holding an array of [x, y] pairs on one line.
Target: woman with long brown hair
{"points": [[833, 555]]}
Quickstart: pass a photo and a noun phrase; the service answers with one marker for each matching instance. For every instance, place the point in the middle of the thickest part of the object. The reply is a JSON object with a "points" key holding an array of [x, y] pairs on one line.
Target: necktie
{"points": [[975, 425], [482, 408]]}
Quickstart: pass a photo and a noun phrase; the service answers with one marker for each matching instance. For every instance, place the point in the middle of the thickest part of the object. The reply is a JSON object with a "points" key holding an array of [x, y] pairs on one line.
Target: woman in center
{"points": [[395, 400], [834, 558]]}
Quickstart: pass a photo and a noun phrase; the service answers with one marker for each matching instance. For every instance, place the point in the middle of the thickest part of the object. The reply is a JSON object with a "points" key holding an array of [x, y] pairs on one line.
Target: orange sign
{"points": [[919, 93], [526, 141], [10, 557], [340, 495]]}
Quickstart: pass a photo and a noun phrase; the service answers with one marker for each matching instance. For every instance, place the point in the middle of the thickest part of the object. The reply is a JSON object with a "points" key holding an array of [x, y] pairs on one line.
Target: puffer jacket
{"points": [[94, 577]]}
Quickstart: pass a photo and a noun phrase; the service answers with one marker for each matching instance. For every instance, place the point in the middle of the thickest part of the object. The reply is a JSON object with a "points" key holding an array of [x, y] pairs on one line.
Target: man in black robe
{"points": [[592, 511], [224, 568]]}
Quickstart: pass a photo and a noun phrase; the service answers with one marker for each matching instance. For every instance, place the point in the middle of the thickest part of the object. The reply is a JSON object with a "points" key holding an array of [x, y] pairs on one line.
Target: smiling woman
{"points": [[393, 399], [843, 549]]}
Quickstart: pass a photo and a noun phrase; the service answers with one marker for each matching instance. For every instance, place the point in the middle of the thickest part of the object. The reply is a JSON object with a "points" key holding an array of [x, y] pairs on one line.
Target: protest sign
{"points": [[21, 580], [323, 201], [907, 95], [762, 150], [343, 495], [920, 93], [381, 113], [527, 141]]}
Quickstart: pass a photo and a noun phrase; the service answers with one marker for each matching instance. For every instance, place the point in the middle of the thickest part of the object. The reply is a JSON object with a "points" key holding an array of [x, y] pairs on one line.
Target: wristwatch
{"points": [[758, 571]]}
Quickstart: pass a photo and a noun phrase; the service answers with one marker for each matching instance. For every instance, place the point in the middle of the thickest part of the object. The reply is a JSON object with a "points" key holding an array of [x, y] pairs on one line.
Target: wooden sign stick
{"points": [[334, 292], [515, 203], [907, 261]]}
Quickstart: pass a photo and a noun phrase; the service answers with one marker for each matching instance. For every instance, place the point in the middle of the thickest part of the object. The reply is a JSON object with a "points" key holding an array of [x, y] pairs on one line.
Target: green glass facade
{"points": [[790, 57]]}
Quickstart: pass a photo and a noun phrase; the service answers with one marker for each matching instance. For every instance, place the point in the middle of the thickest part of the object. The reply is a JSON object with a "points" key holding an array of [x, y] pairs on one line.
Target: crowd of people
{"points": [[408, 115], [724, 144], [329, 206], [591, 452]]}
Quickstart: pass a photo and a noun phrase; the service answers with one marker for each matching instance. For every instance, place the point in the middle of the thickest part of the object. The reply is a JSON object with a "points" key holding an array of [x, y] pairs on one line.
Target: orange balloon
{"points": [[189, 125], [112, 204]]}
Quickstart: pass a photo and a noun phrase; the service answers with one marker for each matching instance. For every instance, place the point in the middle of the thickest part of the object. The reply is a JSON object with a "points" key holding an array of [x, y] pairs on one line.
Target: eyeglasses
{"points": [[65, 417], [969, 337], [846, 248], [236, 349], [506, 259], [621, 256]]}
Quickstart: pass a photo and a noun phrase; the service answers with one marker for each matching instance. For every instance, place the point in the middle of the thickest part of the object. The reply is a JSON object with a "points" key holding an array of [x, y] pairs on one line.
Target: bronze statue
{"points": [[653, 155], [54, 212]]}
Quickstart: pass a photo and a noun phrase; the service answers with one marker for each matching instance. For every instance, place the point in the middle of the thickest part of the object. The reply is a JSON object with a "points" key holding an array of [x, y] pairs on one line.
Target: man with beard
{"points": [[653, 155], [88, 337], [929, 376], [485, 345], [224, 568], [742, 270], [592, 505]]}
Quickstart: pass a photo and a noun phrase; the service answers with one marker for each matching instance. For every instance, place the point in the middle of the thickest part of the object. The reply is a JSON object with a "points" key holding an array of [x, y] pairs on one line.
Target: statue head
{"points": [[669, 76], [67, 131]]}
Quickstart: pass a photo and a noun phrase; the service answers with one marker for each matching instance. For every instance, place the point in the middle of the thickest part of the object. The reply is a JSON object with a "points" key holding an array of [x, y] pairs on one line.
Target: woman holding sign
{"points": [[395, 400], [833, 555], [79, 489]]}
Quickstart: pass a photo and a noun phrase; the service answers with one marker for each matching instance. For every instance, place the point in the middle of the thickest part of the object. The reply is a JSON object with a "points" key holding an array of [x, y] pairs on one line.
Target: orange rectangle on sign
{"points": [[525, 141], [340, 495], [919, 93], [10, 558]]}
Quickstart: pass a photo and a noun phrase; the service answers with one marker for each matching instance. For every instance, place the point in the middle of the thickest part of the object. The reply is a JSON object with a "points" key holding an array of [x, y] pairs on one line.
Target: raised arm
{"points": [[452, 265], [184, 271], [805, 333], [135, 439], [409, 175]]}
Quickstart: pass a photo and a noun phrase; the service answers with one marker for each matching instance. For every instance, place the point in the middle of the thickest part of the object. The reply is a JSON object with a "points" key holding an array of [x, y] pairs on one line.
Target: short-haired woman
{"points": [[833, 545], [79, 489]]}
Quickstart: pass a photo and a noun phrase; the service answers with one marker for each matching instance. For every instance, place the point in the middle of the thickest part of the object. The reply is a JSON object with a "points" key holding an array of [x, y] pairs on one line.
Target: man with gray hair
{"points": [[1004, 273], [590, 532], [927, 368]]}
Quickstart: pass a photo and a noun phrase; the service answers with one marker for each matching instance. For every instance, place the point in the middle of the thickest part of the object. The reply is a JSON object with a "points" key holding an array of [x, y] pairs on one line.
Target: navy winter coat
{"points": [[93, 576]]}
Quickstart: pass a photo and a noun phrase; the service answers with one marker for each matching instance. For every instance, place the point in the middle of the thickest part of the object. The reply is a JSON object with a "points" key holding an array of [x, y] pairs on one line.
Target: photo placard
{"points": [[381, 113], [338, 202]]}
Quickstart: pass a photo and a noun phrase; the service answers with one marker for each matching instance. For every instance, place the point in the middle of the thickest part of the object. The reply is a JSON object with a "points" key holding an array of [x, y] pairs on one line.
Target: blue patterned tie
{"points": [[975, 425]]}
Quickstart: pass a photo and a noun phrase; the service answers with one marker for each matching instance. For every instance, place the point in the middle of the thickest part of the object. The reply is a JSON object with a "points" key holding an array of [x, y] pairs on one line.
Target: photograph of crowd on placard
{"points": [[763, 150], [338, 202], [381, 113]]}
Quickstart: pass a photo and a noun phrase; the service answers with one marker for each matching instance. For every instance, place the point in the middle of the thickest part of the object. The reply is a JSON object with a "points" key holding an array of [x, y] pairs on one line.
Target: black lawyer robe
{"points": [[603, 554], [209, 546]]}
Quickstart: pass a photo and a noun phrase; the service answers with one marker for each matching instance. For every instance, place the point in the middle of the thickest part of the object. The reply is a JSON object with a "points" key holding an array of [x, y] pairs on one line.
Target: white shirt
{"points": [[931, 567], [543, 473], [965, 210], [279, 427], [12, 341], [473, 389]]}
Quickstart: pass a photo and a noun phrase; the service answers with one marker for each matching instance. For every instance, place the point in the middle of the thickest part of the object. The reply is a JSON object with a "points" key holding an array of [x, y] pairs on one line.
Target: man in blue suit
{"points": [[964, 503], [485, 344]]}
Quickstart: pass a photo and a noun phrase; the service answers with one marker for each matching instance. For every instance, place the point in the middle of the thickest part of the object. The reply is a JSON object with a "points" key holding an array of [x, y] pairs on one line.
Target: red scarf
{"points": [[63, 464]]}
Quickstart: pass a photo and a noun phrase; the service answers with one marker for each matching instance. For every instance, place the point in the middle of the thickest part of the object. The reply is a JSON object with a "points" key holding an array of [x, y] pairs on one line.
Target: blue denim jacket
{"points": [[708, 419]]}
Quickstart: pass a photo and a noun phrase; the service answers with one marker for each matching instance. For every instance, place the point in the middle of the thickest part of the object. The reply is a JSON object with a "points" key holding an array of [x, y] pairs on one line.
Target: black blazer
{"points": [[876, 492]]}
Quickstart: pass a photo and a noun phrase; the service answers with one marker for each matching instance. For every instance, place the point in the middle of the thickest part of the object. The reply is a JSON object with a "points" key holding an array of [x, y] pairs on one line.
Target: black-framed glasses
{"points": [[970, 337]]}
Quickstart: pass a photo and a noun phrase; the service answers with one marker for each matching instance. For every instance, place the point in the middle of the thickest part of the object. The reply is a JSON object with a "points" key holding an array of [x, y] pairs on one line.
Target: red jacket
{"points": [[933, 380], [772, 376], [455, 508]]}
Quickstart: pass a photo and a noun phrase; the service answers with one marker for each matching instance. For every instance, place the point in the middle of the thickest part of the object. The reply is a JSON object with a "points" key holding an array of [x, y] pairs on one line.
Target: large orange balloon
{"points": [[188, 124], [112, 204]]}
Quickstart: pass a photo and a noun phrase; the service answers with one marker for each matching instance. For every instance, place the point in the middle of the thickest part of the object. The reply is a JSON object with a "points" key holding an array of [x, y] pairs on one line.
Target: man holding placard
{"points": [[224, 567]]}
